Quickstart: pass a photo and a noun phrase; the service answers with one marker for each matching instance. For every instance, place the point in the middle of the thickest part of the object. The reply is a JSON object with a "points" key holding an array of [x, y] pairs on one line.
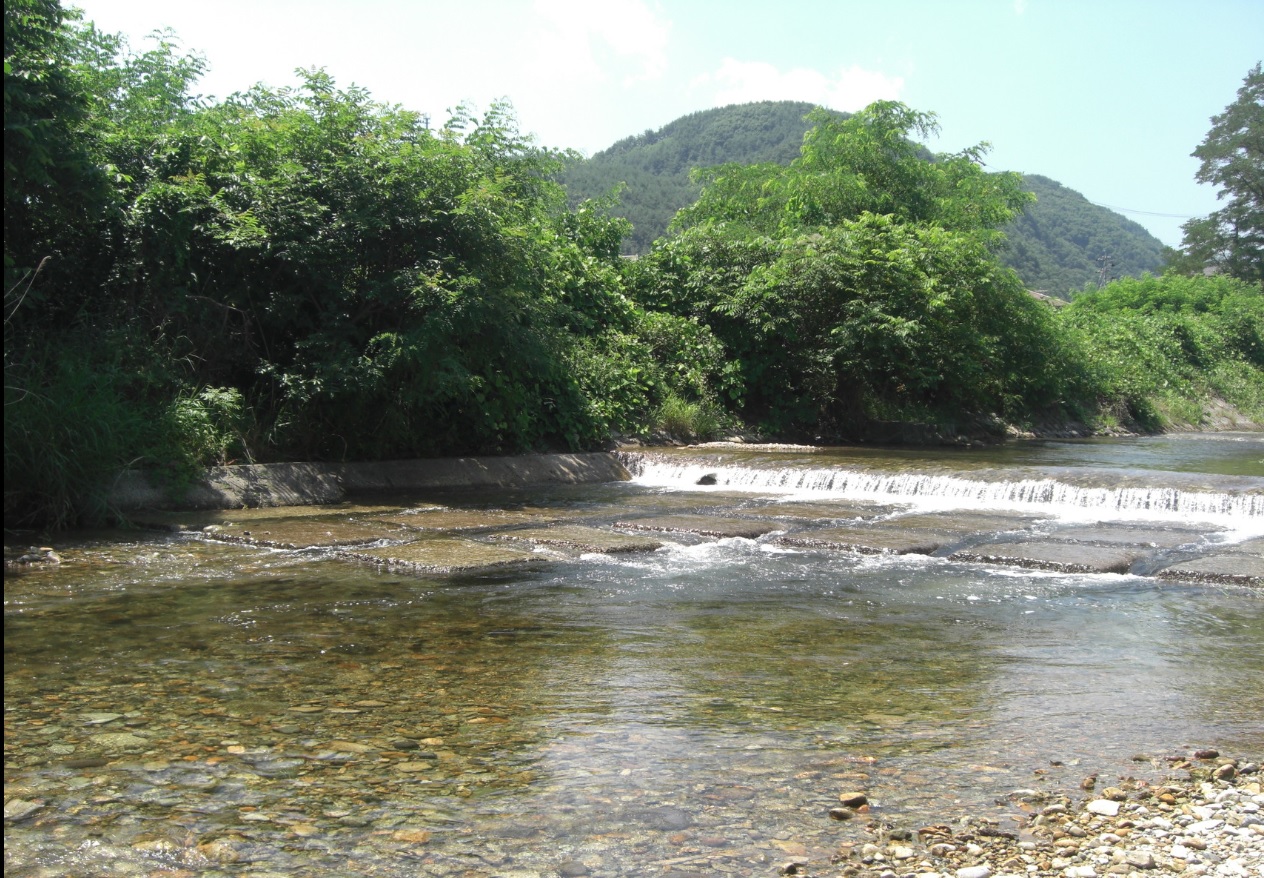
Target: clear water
{"points": [[172, 703]]}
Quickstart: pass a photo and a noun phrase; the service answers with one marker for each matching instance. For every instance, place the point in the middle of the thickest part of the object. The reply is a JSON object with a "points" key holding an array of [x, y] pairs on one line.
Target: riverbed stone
{"points": [[194, 520], [581, 539], [441, 555], [304, 533], [1053, 555], [1223, 568], [959, 522], [667, 818], [868, 540], [17, 810], [818, 511], [703, 525], [681, 502], [448, 519], [1253, 546], [1104, 807], [1129, 535], [119, 741]]}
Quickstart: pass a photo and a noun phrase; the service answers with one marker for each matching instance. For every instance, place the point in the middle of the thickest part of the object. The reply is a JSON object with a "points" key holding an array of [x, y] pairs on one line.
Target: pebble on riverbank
{"points": [[1208, 821]]}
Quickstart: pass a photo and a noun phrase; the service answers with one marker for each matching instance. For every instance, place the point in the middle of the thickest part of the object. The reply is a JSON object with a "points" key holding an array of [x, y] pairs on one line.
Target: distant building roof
{"points": [[1045, 297]]}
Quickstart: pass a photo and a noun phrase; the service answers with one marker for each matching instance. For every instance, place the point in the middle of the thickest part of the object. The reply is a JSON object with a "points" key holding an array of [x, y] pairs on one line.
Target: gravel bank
{"points": [[1205, 819]]}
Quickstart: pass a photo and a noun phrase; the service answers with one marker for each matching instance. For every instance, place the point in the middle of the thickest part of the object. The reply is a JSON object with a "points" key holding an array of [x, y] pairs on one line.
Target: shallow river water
{"points": [[176, 705]]}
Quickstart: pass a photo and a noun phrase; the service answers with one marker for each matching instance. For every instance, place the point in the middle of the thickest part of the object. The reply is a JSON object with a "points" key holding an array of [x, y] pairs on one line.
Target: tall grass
{"points": [[688, 420], [77, 414]]}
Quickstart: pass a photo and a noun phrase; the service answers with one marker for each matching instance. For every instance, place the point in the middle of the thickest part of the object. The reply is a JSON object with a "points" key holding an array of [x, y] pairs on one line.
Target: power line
{"points": [[1144, 212]]}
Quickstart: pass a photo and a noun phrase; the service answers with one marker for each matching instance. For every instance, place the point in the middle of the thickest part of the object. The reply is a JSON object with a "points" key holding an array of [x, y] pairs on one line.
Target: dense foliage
{"points": [[292, 273], [1058, 244], [307, 273], [1155, 349], [1231, 240], [860, 282]]}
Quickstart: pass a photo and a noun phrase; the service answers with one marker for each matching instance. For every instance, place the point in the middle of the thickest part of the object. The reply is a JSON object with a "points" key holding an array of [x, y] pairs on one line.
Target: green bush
{"points": [[1156, 349], [78, 413], [688, 420]]}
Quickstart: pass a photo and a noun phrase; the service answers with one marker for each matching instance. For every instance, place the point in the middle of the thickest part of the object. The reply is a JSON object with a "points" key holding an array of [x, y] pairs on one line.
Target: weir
{"points": [[1240, 507]]}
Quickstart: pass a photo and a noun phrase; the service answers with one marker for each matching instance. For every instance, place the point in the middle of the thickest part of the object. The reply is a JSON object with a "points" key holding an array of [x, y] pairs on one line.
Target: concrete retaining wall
{"points": [[305, 484]]}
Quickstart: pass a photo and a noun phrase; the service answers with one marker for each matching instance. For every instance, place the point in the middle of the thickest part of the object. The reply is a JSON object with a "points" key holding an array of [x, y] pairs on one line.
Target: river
{"points": [[674, 675]]}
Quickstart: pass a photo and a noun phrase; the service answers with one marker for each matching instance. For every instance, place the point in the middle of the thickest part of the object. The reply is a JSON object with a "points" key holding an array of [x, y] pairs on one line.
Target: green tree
{"points": [[295, 272], [861, 281], [1232, 239], [52, 189]]}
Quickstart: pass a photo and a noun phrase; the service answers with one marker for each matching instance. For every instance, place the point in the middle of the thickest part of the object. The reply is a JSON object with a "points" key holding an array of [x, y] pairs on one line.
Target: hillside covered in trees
{"points": [[308, 274], [654, 167], [1063, 242], [1057, 244]]}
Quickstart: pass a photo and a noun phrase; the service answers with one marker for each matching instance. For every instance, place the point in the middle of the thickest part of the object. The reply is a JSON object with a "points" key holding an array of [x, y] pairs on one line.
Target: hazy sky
{"points": [[1108, 97]]}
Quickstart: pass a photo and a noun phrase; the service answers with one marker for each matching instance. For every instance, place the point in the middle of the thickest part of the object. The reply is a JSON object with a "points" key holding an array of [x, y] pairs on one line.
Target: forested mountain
{"points": [[1064, 241], [1057, 245], [656, 165]]}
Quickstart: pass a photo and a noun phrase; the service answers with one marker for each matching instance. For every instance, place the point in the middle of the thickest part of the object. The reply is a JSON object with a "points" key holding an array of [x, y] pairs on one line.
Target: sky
{"points": [[1108, 97]]}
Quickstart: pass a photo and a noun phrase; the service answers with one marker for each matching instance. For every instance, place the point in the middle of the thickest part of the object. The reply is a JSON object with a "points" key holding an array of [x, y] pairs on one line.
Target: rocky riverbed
{"points": [[618, 680], [1204, 819]]}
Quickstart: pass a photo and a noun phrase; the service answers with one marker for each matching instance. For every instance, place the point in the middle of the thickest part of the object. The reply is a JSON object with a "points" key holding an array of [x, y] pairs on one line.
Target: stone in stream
{"points": [[441, 555], [582, 539], [119, 741], [445, 519], [1052, 555], [683, 503], [958, 522], [304, 533], [703, 525], [816, 511], [1128, 535], [214, 520], [1225, 568], [17, 810], [666, 818], [878, 540], [1253, 546]]}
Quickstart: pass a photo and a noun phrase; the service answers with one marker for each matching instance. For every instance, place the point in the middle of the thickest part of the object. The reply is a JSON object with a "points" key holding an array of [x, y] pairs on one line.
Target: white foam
{"points": [[1242, 513]]}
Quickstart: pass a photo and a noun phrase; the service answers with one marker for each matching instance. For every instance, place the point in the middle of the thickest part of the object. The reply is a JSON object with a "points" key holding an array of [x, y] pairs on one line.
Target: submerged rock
{"points": [[1050, 555], [703, 525]]}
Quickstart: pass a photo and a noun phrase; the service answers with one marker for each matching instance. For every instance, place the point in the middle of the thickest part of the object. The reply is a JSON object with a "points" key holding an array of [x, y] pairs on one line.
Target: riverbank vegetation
{"points": [[305, 273], [1057, 244]]}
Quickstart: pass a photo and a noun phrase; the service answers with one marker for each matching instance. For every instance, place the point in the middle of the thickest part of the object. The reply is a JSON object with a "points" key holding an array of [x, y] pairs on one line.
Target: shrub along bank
{"points": [[307, 274]]}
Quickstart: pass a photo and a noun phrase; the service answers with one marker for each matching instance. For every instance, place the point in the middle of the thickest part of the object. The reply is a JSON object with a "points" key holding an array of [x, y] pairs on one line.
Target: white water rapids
{"points": [[1241, 511]]}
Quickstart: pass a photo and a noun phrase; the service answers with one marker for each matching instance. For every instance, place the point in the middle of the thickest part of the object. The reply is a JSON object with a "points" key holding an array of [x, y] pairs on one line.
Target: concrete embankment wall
{"points": [[304, 484]]}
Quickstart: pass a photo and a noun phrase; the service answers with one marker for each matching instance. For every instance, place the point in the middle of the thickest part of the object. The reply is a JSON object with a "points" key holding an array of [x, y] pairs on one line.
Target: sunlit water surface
{"points": [[182, 704]]}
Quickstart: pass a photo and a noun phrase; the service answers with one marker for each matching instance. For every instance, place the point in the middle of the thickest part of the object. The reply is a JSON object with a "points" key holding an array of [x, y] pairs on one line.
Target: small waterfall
{"points": [[1059, 497]]}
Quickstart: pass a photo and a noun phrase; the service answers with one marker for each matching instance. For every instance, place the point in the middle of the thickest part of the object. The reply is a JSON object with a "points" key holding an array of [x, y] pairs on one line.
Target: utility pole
{"points": [[1105, 264]]}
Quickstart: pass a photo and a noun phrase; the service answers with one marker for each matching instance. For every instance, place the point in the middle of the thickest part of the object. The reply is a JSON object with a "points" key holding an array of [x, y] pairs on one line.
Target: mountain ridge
{"points": [[1057, 245]]}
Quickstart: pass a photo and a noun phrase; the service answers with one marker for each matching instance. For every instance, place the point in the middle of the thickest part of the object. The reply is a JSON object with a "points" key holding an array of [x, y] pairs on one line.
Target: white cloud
{"points": [[578, 32], [1020, 6], [850, 89]]}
